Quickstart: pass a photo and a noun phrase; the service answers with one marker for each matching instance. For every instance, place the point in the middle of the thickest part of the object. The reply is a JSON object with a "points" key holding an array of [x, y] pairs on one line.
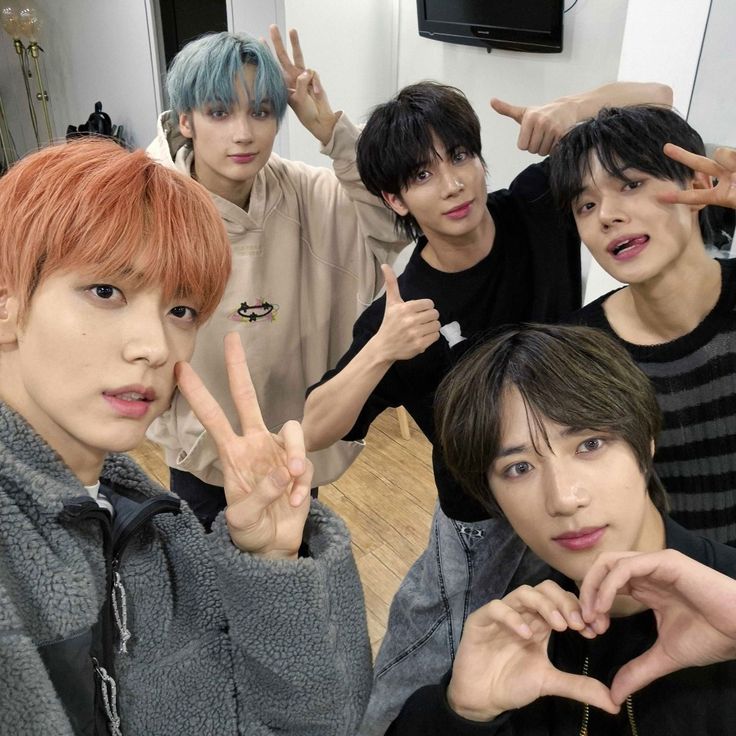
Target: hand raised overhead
{"points": [[693, 606], [408, 328], [502, 661], [307, 97], [722, 167], [267, 476]]}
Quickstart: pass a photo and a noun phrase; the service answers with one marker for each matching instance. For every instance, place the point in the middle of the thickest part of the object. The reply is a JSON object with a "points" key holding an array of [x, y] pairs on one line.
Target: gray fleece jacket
{"points": [[221, 642]]}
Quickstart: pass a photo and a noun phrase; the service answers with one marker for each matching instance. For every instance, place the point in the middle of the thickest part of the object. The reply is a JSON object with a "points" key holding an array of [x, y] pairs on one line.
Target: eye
{"points": [[590, 445], [460, 155], [421, 176], [184, 314], [217, 113], [517, 469], [261, 114], [631, 185], [585, 207], [105, 293]]}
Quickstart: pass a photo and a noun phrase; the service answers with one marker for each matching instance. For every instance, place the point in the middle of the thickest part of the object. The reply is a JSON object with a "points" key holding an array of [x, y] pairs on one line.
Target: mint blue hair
{"points": [[205, 72]]}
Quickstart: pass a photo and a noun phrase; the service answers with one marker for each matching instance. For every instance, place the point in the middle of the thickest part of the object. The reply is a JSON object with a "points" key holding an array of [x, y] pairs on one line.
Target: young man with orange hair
{"points": [[118, 614]]}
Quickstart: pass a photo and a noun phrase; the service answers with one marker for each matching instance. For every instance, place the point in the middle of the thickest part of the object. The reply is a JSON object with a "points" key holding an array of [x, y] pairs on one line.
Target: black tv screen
{"points": [[518, 25]]}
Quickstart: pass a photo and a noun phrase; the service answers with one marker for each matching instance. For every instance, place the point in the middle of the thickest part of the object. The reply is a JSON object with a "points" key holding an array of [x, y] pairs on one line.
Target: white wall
{"points": [[592, 43], [366, 51], [352, 44], [99, 50]]}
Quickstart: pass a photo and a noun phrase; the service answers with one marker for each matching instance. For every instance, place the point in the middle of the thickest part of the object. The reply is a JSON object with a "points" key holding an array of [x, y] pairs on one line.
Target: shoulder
{"points": [[717, 556], [592, 314]]}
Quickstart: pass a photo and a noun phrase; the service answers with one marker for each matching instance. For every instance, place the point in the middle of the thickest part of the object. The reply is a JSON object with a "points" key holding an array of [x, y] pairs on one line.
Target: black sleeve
{"points": [[554, 245], [387, 393], [427, 713]]}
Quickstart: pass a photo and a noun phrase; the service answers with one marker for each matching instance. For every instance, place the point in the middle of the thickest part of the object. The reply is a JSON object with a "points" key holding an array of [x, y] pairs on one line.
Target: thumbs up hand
{"points": [[408, 328], [541, 127]]}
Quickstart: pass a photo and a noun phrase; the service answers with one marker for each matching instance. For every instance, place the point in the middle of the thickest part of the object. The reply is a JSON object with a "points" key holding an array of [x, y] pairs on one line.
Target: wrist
{"points": [[379, 353], [469, 711], [324, 133]]}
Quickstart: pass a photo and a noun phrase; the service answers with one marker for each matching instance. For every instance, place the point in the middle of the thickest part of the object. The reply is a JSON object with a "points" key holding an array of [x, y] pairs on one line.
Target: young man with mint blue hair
{"points": [[307, 242]]}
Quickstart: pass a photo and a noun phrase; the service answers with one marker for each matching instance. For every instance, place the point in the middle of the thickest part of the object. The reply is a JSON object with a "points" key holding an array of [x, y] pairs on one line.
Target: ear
{"points": [[8, 317], [185, 125], [700, 180], [395, 202]]}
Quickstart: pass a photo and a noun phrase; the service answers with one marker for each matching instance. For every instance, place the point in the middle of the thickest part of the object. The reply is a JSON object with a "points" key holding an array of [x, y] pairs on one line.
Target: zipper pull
{"points": [[120, 611], [109, 690]]}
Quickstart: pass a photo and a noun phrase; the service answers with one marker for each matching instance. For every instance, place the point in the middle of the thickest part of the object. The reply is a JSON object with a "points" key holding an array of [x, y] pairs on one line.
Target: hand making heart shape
{"points": [[502, 662]]}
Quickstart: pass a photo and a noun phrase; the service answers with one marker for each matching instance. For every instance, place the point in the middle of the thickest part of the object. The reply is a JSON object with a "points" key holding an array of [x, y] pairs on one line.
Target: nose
{"points": [[565, 492], [610, 212], [147, 341], [451, 183], [242, 130]]}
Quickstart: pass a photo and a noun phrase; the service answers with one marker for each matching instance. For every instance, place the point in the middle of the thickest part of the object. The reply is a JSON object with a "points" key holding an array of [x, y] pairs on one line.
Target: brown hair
{"points": [[91, 205], [574, 376]]}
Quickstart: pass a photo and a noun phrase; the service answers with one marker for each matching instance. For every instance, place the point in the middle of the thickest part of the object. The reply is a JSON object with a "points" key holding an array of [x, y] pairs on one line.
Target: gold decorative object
{"points": [[24, 24]]}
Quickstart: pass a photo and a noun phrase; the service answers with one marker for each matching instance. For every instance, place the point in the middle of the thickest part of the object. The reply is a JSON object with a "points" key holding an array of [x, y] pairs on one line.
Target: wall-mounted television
{"points": [[518, 25]]}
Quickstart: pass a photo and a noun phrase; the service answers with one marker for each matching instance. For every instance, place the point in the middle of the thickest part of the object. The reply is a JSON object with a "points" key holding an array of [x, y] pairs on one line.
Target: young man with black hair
{"points": [[638, 202], [481, 260], [554, 428]]}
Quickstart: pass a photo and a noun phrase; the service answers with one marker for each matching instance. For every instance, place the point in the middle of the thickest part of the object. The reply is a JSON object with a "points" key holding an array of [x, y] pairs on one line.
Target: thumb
{"points": [[583, 689], [639, 672], [515, 112], [392, 285]]}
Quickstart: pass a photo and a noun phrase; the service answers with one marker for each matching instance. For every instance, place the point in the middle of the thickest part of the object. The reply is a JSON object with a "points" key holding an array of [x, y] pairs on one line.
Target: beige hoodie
{"points": [[306, 262]]}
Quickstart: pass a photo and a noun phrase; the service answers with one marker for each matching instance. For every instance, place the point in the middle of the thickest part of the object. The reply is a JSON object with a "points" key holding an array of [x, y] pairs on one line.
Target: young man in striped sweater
{"points": [[637, 202]]}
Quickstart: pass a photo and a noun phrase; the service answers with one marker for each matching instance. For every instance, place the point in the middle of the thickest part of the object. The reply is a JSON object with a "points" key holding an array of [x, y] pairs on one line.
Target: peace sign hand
{"points": [[722, 167], [267, 476], [307, 96]]}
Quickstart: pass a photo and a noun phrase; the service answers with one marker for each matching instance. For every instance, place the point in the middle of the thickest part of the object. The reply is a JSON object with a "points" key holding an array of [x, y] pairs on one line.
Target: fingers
{"points": [[639, 673], [558, 607], [515, 112], [611, 574], [203, 404], [278, 46], [581, 688], [296, 49], [692, 160], [393, 295], [241, 386], [300, 469]]}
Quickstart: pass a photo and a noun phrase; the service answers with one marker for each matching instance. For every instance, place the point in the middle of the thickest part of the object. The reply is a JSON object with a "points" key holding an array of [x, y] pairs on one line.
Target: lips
{"points": [[457, 213], [242, 158], [130, 401], [627, 246], [581, 539]]}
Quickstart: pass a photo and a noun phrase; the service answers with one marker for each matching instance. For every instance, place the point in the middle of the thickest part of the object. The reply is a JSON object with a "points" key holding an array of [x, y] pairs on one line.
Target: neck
{"points": [[236, 192], [669, 305], [452, 255]]}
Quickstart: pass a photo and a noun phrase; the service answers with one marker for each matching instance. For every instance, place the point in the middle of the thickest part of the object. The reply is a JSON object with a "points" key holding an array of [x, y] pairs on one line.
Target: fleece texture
{"points": [[222, 642]]}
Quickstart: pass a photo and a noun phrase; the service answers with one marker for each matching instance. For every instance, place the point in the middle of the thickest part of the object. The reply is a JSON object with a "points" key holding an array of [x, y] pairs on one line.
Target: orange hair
{"points": [[92, 205]]}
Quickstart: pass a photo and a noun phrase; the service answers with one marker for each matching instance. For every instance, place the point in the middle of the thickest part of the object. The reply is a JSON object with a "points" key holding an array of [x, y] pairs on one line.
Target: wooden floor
{"points": [[386, 498]]}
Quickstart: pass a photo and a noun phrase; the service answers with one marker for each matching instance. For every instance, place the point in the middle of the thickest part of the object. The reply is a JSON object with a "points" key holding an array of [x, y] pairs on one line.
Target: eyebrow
{"points": [[519, 449]]}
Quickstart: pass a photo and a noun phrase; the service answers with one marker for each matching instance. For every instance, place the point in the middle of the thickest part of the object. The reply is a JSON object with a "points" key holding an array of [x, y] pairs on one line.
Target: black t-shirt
{"points": [[532, 273]]}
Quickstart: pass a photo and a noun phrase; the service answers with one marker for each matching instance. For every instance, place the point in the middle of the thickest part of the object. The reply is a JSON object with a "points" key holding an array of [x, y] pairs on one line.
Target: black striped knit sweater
{"points": [[695, 380]]}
